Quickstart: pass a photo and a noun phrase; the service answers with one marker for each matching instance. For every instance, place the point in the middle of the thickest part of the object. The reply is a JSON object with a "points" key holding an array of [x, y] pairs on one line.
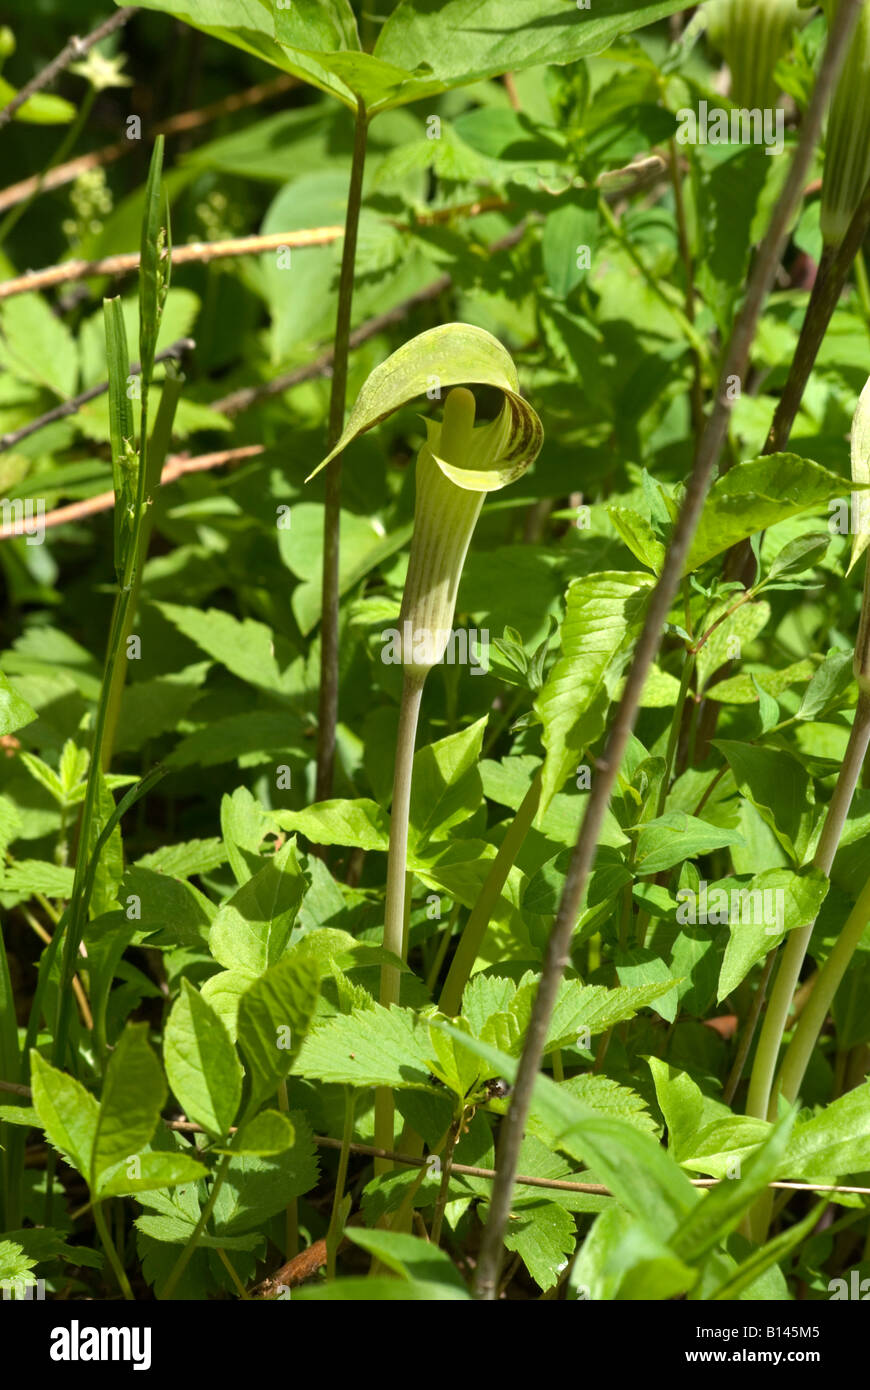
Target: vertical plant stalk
{"points": [[474, 931], [394, 911], [132, 479], [193, 1241], [833, 273], [336, 1220], [736, 363], [816, 1009], [327, 713], [444, 1188], [111, 1253], [697, 394], [760, 1102]]}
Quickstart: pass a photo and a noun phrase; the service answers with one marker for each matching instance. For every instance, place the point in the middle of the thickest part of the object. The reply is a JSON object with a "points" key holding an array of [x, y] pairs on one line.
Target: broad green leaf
{"points": [[246, 648], [256, 1187], [361, 823], [829, 682], [298, 40], [635, 1168], [446, 787], [250, 931], [639, 536], [861, 476], [150, 1172], [43, 108], [583, 1008], [760, 913], [622, 1259], [769, 1254], [201, 1063], [158, 902], [543, 1235], [835, 1144], [67, 1112], [176, 1231], [674, 837], [721, 1209], [754, 495], [408, 1256], [780, 789], [740, 690], [603, 613], [244, 825], [274, 1016], [454, 354], [368, 1290], [130, 1104], [266, 1134], [370, 1047], [15, 712], [569, 230], [465, 41]]}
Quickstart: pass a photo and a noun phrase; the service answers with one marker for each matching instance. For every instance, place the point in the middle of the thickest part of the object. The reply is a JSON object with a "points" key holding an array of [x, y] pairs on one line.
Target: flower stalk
{"points": [[459, 462]]}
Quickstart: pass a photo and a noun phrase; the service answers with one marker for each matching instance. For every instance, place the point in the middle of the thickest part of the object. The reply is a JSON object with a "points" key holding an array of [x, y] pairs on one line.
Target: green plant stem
{"points": [[184, 1258], [228, 1266], [748, 1031], [697, 394], [815, 1011], [443, 947], [78, 906], [474, 931], [394, 907], [735, 364], [444, 1188], [111, 1253], [328, 699], [759, 1102], [333, 1235], [676, 726], [291, 1214]]}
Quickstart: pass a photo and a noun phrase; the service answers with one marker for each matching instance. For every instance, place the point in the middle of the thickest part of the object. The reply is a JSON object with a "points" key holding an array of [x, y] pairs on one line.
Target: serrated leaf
{"points": [[603, 612], [67, 1112], [251, 929], [370, 1047], [274, 1016], [201, 1063], [133, 1095]]}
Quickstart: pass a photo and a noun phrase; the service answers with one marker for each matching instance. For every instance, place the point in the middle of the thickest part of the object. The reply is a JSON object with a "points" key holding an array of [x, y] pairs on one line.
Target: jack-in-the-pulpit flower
{"points": [[752, 36], [458, 464], [847, 143]]}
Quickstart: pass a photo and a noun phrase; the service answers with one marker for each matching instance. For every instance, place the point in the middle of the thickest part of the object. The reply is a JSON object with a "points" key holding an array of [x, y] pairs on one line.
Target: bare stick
{"points": [[71, 169], [197, 251], [176, 467], [559, 945], [70, 407], [76, 48], [327, 706]]}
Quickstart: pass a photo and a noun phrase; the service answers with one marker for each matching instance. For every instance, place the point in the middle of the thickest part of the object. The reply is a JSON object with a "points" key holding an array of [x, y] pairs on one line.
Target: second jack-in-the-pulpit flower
{"points": [[457, 465]]}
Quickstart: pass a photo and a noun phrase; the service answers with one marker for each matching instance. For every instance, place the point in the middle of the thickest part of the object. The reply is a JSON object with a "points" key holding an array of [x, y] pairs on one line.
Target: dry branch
{"points": [[76, 48]]}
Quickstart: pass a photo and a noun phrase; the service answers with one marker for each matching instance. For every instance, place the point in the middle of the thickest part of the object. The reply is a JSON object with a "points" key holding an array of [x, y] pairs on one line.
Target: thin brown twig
{"points": [[467, 1170], [199, 252], [76, 48], [185, 121], [558, 952], [70, 407], [176, 467]]}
